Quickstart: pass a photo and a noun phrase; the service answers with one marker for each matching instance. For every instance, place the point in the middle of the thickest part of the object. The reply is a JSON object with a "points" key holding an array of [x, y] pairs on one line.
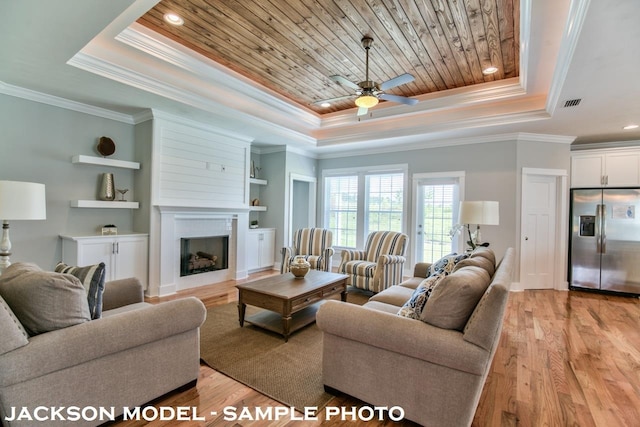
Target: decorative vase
{"points": [[107, 188], [299, 267]]}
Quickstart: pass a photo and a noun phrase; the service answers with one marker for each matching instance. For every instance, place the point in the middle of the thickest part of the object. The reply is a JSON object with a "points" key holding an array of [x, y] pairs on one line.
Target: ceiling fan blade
{"points": [[397, 81], [362, 111], [343, 81], [339, 98], [399, 99]]}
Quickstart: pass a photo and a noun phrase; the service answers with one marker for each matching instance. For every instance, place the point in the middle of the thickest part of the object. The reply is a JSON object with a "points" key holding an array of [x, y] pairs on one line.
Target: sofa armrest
{"points": [[75, 345], [421, 269], [390, 259], [287, 253], [401, 335], [118, 293], [350, 255]]}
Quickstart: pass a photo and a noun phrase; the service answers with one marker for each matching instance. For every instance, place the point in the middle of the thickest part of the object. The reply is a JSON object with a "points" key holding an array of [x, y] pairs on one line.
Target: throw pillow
{"points": [[13, 333], [415, 305], [445, 264], [43, 301], [455, 297], [92, 278]]}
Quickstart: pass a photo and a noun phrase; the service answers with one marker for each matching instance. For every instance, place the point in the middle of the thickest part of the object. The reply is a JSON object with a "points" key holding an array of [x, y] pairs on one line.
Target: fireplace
{"points": [[197, 226], [203, 254]]}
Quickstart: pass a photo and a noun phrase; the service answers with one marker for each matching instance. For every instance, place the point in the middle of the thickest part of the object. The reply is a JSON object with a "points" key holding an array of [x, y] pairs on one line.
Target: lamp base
{"points": [[5, 247]]}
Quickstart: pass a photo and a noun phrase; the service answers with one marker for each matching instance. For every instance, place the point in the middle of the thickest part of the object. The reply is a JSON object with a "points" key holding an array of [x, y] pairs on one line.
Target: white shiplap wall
{"points": [[197, 166]]}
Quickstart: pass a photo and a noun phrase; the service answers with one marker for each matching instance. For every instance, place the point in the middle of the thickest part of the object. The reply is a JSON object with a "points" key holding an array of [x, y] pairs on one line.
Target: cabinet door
{"points": [[267, 249], [587, 170], [253, 250], [623, 169], [131, 258], [96, 251]]}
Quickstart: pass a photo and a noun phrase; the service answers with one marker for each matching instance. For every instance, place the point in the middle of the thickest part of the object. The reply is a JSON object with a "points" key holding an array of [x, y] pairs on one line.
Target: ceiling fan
{"points": [[369, 92]]}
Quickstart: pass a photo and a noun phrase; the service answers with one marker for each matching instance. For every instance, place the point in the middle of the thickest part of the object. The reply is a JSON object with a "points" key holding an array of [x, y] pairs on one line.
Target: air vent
{"points": [[572, 103]]}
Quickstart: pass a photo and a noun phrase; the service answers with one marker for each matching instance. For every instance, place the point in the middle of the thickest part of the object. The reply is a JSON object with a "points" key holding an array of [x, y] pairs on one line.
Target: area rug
{"points": [[290, 372]]}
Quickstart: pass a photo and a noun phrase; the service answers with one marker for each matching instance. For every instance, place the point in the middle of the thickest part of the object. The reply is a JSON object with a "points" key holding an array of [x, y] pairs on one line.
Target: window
{"points": [[341, 216], [437, 203], [360, 202]]}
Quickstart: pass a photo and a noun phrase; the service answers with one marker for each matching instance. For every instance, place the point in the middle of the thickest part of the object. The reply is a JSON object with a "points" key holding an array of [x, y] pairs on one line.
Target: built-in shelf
{"points": [[257, 208], [104, 204], [101, 161], [257, 181]]}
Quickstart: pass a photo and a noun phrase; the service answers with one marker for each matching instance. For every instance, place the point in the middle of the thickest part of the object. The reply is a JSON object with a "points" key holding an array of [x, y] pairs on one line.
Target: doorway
{"points": [[543, 229], [302, 203]]}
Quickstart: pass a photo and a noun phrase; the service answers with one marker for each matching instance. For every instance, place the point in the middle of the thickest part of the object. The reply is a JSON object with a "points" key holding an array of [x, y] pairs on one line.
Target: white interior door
{"points": [[539, 232]]}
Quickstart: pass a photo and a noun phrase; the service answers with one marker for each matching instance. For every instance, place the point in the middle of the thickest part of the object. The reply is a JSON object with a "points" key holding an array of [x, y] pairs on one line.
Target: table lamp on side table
{"points": [[479, 213], [18, 201]]}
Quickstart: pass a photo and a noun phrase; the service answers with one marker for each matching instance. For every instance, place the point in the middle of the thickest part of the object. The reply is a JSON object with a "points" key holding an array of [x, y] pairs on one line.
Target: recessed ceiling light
{"points": [[173, 19], [325, 105], [490, 70], [629, 127]]}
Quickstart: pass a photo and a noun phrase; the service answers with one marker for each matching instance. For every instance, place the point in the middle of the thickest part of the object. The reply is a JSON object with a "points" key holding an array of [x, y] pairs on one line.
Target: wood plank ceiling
{"points": [[292, 47]]}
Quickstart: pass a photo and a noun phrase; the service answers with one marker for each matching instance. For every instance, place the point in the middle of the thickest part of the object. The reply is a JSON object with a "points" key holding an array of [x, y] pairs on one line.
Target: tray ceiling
{"points": [[292, 47]]}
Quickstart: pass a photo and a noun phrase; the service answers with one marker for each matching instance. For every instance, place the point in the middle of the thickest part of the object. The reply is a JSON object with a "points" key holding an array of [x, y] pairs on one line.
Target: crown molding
{"points": [[451, 142], [577, 15], [55, 101]]}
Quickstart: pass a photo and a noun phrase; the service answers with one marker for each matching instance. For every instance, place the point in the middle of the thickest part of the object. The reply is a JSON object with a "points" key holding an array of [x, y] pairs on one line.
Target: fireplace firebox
{"points": [[203, 254]]}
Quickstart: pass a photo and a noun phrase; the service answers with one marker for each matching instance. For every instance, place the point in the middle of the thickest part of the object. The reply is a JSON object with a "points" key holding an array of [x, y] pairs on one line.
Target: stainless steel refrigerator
{"points": [[605, 240]]}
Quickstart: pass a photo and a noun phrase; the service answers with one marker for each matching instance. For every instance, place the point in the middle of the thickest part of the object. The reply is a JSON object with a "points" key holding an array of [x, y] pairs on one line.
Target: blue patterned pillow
{"points": [[445, 264], [413, 308], [92, 278]]}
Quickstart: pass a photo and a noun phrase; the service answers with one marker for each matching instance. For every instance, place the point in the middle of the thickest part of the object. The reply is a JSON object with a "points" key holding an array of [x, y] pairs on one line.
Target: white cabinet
{"points": [[605, 168], [124, 255], [260, 248]]}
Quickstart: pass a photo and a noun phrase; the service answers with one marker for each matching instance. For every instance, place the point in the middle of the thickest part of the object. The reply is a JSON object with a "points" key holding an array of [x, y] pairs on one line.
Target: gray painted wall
{"points": [[37, 142]]}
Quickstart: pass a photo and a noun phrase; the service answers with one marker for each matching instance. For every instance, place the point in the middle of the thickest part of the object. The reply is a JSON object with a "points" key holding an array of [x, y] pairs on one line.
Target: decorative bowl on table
{"points": [[299, 267]]}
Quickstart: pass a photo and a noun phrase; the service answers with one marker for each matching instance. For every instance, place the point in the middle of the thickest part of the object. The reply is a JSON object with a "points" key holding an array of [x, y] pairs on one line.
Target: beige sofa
{"points": [[135, 353], [435, 374]]}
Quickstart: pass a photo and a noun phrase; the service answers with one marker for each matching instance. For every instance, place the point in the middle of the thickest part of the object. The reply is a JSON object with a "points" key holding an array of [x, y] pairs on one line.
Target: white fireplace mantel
{"points": [[183, 222]]}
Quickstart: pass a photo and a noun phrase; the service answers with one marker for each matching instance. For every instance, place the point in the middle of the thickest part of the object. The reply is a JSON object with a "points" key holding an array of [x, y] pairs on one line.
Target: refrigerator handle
{"points": [[603, 229], [599, 229]]}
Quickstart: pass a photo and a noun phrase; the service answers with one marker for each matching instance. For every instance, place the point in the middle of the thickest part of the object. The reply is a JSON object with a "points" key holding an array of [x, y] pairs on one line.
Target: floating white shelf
{"points": [[257, 208], [257, 181], [101, 161], [103, 204]]}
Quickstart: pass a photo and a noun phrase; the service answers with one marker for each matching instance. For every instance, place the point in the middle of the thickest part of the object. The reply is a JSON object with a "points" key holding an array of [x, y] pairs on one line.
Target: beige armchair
{"points": [[379, 265], [312, 243]]}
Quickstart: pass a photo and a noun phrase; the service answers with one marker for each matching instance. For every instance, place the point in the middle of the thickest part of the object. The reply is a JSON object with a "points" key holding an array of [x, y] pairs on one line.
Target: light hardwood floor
{"points": [[564, 359]]}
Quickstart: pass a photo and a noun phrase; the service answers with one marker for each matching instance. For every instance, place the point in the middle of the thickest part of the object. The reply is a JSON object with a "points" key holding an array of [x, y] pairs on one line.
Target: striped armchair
{"points": [[314, 244], [379, 265]]}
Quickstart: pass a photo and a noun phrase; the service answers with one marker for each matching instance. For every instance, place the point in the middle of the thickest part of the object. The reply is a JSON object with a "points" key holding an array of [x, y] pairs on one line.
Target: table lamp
{"points": [[479, 213], [18, 201]]}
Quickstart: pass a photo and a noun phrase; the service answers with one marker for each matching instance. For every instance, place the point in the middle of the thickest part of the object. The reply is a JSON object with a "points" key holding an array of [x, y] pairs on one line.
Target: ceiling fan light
{"points": [[366, 101]]}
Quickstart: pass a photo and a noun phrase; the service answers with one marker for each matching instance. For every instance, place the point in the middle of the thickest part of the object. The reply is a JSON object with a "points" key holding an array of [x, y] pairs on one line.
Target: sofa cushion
{"points": [[446, 264], [477, 261], [454, 298], [395, 295], [43, 301], [13, 333], [482, 251], [92, 278], [414, 307]]}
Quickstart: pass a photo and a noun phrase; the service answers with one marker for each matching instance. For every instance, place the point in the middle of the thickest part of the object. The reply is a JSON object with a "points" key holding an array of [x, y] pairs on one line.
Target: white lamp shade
{"points": [[22, 200], [479, 212]]}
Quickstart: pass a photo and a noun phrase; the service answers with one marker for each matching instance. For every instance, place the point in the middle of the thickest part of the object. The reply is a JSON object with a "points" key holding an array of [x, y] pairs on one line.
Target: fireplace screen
{"points": [[203, 254]]}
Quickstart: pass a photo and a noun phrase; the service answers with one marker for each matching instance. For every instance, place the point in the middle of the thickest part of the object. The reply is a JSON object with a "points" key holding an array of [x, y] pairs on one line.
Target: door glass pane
{"points": [[438, 202]]}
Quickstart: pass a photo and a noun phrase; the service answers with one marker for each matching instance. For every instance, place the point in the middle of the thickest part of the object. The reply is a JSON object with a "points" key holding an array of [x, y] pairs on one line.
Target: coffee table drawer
{"points": [[306, 300], [335, 289]]}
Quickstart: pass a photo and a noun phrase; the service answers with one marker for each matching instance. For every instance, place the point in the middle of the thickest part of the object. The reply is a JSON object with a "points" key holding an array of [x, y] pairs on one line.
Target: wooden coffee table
{"points": [[289, 303]]}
